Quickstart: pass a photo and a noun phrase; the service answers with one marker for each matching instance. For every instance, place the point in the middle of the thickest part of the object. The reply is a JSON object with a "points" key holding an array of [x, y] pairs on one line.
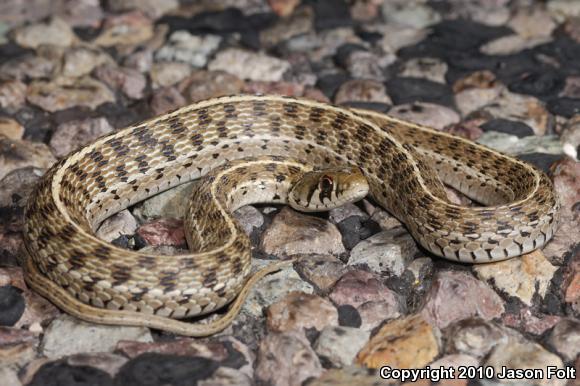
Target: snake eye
{"points": [[326, 183]]}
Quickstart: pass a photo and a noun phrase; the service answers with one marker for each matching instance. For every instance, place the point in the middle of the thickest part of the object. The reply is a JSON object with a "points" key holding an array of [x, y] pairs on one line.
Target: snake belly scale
{"points": [[99, 282]]}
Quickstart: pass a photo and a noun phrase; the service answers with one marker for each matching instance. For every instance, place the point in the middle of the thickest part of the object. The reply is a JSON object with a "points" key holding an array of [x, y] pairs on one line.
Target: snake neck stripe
{"points": [[405, 166]]}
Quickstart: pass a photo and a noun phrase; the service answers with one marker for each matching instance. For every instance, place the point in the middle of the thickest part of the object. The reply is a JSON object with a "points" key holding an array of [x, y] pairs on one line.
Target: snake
{"points": [[219, 143]]}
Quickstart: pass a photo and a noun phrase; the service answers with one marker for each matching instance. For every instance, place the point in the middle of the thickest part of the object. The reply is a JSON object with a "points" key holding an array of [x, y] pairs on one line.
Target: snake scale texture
{"points": [[99, 282]]}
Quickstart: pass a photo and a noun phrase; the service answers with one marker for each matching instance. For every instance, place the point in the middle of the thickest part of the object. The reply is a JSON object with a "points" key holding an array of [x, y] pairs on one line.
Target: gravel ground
{"points": [[363, 294]]}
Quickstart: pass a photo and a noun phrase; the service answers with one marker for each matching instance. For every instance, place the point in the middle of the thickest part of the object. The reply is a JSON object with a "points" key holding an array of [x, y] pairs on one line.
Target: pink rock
{"points": [[163, 232], [458, 295], [130, 81], [166, 99], [529, 322]]}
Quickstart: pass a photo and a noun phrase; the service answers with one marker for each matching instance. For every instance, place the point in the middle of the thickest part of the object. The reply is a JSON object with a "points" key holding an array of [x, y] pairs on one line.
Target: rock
{"points": [[532, 22], [72, 135], [9, 376], [566, 107], [523, 277], [347, 376], [562, 9], [300, 22], [109, 363], [131, 82], [55, 32], [21, 154], [331, 15], [565, 338], [299, 310], [428, 114], [343, 212], [64, 93], [362, 90], [152, 8], [80, 61], [457, 295], [524, 355], [373, 300], [11, 129], [12, 94], [354, 229], [141, 61], [511, 44], [321, 270], [511, 144], [411, 14], [570, 137], [191, 49], [519, 108], [170, 204], [571, 87], [249, 218], [432, 69], [17, 347], [407, 90], [159, 369], [11, 305], [127, 29], [517, 128], [249, 65], [203, 85], [67, 336], [276, 88], [166, 99], [455, 361], [56, 373], [286, 359], [388, 252], [122, 223], [272, 289], [475, 337], [472, 99], [225, 376], [165, 231], [529, 321], [17, 185], [166, 74], [283, 8], [27, 67], [362, 64], [339, 345], [292, 233], [405, 343], [483, 79]]}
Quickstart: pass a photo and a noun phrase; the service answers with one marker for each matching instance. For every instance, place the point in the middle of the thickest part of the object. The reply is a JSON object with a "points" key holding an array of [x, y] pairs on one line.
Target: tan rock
{"points": [[10, 128], [300, 310], [405, 343]]}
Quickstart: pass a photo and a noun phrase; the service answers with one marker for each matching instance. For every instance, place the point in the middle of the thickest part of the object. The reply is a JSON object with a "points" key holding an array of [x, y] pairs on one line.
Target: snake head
{"points": [[327, 189]]}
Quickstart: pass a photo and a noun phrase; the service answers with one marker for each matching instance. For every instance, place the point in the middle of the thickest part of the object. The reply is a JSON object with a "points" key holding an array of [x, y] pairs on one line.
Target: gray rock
{"points": [[413, 14], [321, 270], [475, 337], [171, 203], [511, 144], [362, 90], [299, 22], [511, 44], [249, 65], [273, 288], [122, 223], [79, 61], [249, 218], [22, 154], [130, 81], [72, 135], [386, 252], [428, 114], [153, 8], [298, 310], [12, 95], [67, 336], [339, 345], [345, 211], [525, 355], [185, 47], [286, 359], [17, 185], [565, 338]]}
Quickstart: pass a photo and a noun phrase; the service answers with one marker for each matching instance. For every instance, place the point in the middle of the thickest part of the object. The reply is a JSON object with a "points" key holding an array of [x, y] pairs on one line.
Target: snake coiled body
{"points": [[100, 282]]}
